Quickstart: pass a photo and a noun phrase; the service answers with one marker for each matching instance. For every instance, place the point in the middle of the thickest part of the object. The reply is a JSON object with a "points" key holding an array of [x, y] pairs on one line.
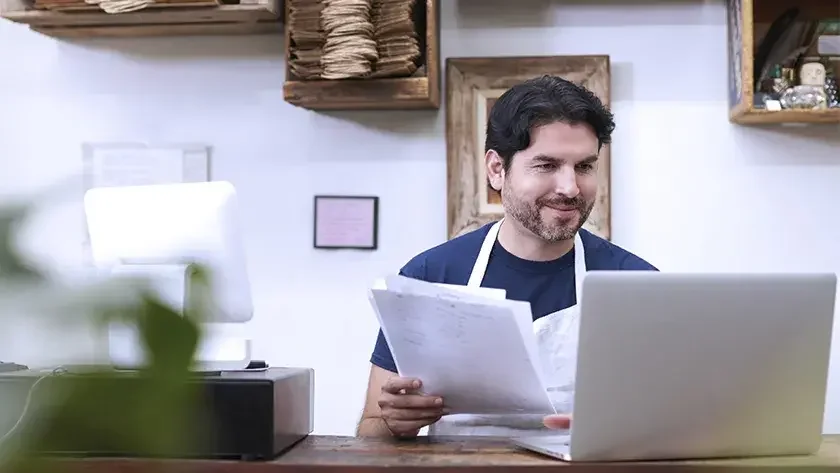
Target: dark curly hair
{"points": [[540, 101]]}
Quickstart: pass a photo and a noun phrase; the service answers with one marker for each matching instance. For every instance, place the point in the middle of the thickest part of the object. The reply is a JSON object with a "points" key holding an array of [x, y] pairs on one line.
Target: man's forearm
{"points": [[376, 427], [372, 427]]}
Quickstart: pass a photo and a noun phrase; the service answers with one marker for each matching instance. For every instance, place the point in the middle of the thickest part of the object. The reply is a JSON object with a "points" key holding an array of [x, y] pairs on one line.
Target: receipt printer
{"points": [[250, 415]]}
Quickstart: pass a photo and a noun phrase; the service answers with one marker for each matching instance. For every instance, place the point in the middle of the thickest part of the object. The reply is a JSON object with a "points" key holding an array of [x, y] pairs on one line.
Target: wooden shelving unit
{"points": [[421, 91], [767, 117], [748, 21], [164, 19]]}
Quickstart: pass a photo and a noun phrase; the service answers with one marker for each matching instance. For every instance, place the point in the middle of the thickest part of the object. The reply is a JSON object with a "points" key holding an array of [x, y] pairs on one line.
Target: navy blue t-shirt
{"points": [[548, 285]]}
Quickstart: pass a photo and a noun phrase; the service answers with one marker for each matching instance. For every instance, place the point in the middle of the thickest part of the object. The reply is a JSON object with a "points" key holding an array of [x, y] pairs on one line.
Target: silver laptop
{"points": [[689, 366]]}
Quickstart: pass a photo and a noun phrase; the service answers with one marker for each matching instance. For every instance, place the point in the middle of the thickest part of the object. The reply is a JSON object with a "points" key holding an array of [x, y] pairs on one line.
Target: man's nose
{"points": [[566, 182]]}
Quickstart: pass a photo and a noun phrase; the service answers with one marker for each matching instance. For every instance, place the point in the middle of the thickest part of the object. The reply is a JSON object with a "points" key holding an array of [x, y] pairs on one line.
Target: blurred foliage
{"points": [[143, 413], [12, 265]]}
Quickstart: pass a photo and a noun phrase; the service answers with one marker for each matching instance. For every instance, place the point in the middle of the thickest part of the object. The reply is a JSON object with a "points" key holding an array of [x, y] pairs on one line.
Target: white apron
{"points": [[557, 340]]}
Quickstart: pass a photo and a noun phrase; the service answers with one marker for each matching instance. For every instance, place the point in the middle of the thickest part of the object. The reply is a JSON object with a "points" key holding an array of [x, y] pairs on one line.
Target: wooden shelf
{"points": [[748, 21], [262, 17], [768, 117], [375, 94], [421, 91]]}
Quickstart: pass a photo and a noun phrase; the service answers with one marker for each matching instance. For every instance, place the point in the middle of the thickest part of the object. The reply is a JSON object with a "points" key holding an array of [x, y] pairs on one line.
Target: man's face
{"points": [[552, 185]]}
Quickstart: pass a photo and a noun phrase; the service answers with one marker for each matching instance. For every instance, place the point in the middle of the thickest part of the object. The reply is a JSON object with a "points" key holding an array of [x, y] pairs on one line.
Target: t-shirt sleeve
{"points": [[382, 357]]}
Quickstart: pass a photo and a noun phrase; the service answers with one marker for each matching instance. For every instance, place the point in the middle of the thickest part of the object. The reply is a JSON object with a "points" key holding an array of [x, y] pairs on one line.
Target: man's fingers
{"points": [[413, 414], [408, 426], [557, 421], [409, 401], [395, 384]]}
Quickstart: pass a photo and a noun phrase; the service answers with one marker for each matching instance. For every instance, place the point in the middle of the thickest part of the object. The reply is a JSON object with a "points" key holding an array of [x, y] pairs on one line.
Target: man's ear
{"points": [[495, 169]]}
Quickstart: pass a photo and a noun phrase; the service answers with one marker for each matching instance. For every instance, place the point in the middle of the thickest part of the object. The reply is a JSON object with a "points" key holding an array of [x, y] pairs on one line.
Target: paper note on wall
{"points": [[137, 167], [118, 165], [112, 164]]}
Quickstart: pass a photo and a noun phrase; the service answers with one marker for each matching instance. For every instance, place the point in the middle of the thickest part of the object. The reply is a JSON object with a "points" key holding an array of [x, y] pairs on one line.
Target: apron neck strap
{"points": [[480, 266], [580, 266], [481, 262]]}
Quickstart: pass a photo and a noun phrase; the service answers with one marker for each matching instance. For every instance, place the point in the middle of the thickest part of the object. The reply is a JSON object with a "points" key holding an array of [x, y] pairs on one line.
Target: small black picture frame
{"points": [[345, 222]]}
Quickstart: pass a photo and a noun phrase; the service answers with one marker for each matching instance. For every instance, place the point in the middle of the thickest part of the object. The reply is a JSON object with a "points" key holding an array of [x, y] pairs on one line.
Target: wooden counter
{"points": [[318, 454]]}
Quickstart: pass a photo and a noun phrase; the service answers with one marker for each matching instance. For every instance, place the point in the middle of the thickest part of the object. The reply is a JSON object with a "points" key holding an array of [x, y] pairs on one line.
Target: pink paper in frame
{"points": [[346, 222]]}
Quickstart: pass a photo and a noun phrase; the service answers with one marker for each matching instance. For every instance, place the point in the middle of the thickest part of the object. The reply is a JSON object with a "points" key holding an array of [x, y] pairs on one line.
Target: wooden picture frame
{"points": [[345, 222], [472, 86]]}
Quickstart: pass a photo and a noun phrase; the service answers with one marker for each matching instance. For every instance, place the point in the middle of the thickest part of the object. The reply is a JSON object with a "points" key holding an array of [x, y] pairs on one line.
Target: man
{"points": [[544, 137]]}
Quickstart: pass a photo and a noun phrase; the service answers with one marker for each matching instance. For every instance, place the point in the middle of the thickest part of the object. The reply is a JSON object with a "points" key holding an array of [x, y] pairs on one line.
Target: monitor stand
{"points": [[219, 349], [222, 352]]}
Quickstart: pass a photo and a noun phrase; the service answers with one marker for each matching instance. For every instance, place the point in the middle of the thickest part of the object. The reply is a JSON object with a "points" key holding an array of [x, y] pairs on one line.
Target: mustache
{"points": [[576, 202]]}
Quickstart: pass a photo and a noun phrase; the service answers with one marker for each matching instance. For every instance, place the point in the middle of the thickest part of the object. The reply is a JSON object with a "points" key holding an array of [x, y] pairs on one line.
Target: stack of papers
{"points": [[470, 346]]}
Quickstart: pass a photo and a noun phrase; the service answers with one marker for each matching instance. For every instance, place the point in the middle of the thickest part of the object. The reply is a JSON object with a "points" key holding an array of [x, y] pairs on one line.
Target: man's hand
{"points": [[404, 410], [558, 421]]}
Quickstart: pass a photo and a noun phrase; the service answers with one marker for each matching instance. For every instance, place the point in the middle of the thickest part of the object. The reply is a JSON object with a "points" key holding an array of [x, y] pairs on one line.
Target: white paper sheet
{"points": [[471, 350], [521, 311], [404, 284]]}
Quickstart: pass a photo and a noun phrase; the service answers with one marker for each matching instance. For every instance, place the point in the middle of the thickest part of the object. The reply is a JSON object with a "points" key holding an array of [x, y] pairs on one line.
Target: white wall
{"points": [[690, 191]]}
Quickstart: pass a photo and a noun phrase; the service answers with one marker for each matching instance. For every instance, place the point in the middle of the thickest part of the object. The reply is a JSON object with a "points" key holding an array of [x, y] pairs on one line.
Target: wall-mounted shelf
{"points": [[420, 91], [767, 117], [748, 22], [159, 19]]}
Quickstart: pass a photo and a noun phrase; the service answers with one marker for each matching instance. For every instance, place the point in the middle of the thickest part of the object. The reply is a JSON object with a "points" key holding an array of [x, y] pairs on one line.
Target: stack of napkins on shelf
{"points": [[349, 47], [307, 38], [396, 38]]}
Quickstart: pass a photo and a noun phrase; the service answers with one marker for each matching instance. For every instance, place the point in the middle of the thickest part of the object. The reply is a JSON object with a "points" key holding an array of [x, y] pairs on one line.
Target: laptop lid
{"points": [[701, 365]]}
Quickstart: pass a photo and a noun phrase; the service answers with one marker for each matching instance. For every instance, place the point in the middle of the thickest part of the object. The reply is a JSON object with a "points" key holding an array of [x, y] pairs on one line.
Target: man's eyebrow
{"points": [[551, 159], [547, 158]]}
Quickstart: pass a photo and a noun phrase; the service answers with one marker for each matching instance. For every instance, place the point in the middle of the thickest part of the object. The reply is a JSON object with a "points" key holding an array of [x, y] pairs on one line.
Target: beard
{"points": [[552, 230]]}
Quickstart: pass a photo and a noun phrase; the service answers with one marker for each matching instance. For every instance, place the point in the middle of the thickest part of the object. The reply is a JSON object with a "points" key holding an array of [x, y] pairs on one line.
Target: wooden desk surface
{"points": [[324, 454]]}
